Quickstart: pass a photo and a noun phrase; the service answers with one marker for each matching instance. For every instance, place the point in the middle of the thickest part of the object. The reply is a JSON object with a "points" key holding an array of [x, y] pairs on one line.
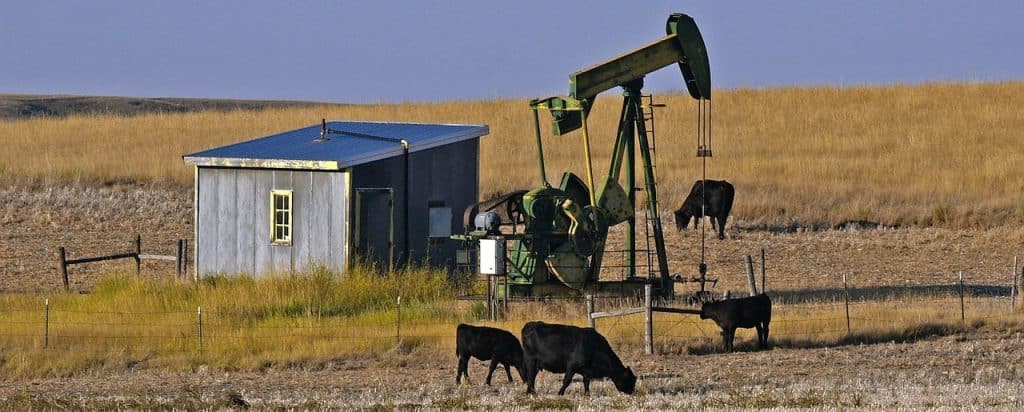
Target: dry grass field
{"points": [[941, 161], [937, 155]]}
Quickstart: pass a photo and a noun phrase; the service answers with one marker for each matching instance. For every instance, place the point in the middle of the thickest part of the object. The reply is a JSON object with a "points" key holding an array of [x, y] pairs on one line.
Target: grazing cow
{"points": [[571, 350], [717, 205], [495, 345], [748, 312]]}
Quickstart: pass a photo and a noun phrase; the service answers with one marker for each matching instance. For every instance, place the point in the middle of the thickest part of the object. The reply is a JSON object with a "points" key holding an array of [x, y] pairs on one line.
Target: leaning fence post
{"points": [[649, 319], [846, 299], [138, 251], [963, 315], [398, 322], [199, 315], [64, 268], [46, 332], [750, 276], [590, 311]]}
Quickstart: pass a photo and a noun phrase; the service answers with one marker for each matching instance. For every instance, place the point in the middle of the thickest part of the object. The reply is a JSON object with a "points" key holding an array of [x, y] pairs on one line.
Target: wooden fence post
{"points": [[590, 310], [750, 276], [199, 316], [963, 314], [138, 251], [179, 259], [398, 322], [846, 299], [64, 269], [648, 319], [46, 333], [1014, 286], [184, 258]]}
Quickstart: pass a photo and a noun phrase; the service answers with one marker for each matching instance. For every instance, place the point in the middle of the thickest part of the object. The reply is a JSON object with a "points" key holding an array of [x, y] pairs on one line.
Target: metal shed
{"points": [[324, 194]]}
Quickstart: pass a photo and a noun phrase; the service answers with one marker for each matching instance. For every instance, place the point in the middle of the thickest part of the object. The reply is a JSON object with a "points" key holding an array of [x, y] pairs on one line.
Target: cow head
{"points": [[683, 216], [519, 364], [625, 382]]}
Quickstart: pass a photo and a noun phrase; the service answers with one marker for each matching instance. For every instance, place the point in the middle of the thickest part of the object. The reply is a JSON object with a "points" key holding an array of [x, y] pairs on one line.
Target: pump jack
{"points": [[563, 244]]}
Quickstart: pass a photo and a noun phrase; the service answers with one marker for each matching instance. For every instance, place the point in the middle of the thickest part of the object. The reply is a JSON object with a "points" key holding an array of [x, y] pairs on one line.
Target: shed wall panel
{"points": [[319, 210], [303, 211], [227, 218], [264, 257], [206, 222], [245, 199]]}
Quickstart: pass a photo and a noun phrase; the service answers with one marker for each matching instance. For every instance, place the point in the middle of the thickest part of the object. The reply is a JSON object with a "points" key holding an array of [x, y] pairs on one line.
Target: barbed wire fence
{"points": [[199, 330]]}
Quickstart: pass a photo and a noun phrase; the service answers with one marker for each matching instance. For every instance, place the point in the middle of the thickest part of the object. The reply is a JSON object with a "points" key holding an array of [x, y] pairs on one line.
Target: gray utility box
{"points": [[492, 256]]}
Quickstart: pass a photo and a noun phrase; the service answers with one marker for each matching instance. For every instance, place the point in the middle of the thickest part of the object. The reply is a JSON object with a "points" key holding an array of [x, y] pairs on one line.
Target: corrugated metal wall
{"points": [[448, 174], [233, 227]]}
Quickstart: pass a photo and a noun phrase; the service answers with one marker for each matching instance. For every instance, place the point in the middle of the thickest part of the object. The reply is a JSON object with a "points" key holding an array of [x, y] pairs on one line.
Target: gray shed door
{"points": [[375, 225]]}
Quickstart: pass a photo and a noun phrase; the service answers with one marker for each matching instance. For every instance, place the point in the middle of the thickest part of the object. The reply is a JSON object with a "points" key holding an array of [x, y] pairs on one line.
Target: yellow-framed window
{"points": [[281, 217]]}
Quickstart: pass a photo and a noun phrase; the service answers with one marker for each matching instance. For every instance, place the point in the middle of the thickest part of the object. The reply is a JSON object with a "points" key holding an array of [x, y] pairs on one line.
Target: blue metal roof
{"points": [[302, 149]]}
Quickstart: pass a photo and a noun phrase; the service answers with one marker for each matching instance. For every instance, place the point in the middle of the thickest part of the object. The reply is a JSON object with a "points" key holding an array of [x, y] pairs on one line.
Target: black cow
{"points": [[495, 345], [717, 205], [749, 312], [571, 350]]}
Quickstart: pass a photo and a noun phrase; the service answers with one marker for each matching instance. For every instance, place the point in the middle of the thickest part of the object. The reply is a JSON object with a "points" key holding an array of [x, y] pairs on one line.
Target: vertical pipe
{"points": [[490, 297], [64, 269], [46, 332], [846, 300], [629, 130], [648, 319], [540, 149], [590, 312], [764, 289], [138, 251], [963, 314]]}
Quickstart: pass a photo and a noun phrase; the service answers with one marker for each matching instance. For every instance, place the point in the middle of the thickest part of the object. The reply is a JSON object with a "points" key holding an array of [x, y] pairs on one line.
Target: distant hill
{"points": [[28, 106]]}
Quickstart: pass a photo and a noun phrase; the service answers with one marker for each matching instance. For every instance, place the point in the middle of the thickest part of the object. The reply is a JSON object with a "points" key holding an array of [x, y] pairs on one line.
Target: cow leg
{"points": [[760, 335], [766, 334], [508, 373], [531, 376], [566, 380], [729, 335], [463, 369], [490, 370], [721, 227], [586, 385]]}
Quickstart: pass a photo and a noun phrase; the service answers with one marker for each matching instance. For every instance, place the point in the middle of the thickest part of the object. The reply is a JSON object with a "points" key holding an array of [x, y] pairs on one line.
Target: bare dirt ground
{"points": [[96, 221], [981, 369], [977, 370]]}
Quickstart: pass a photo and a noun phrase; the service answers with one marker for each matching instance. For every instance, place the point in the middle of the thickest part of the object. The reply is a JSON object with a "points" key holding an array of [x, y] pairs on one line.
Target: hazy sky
{"points": [[376, 50]]}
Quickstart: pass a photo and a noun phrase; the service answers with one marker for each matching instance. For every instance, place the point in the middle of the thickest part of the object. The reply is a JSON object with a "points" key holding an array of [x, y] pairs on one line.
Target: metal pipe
{"points": [[590, 165], [540, 148]]}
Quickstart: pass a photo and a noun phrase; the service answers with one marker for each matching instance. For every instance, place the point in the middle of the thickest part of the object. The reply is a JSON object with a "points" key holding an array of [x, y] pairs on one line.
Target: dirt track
{"points": [[981, 369]]}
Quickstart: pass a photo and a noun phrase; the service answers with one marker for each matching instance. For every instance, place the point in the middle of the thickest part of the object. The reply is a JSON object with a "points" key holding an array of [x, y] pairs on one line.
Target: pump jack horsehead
{"points": [[566, 226]]}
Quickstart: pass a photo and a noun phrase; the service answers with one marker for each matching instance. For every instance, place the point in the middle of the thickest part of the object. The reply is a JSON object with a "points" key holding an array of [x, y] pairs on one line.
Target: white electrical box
{"points": [[492, 257]]}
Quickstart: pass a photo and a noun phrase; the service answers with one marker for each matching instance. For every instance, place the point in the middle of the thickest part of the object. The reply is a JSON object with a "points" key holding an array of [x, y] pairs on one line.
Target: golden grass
{"points": [[312, 320], [935, 154]]}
